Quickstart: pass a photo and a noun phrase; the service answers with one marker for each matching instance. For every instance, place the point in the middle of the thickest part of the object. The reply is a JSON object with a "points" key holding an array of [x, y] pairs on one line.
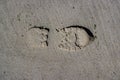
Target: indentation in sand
{"points": [[74, 37], [37, 37]]}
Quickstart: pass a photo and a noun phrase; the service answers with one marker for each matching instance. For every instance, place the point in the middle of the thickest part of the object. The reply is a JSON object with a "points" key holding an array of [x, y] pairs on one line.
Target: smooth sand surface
{"points": [[27, 54]]}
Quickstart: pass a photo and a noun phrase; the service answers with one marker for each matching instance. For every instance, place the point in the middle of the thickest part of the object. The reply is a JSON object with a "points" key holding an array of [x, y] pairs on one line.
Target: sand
{"points": [[59, 39]]}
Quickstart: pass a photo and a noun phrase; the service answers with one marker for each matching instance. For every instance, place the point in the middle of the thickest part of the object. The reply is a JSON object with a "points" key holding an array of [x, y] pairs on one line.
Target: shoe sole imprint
{"points": [[71, 38]]}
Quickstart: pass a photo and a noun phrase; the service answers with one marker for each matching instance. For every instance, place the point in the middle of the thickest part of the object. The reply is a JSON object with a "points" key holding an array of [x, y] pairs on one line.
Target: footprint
{"points": [[38, 37], [74, 37]]}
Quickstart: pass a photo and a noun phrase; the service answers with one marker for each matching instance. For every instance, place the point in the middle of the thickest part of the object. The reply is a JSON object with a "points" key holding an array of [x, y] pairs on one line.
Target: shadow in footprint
{"points": [[86, 29], [40, 27]]}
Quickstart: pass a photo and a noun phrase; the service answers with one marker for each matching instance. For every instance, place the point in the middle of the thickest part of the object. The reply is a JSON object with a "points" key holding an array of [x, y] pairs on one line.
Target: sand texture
{"points": [[59, 39]]}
